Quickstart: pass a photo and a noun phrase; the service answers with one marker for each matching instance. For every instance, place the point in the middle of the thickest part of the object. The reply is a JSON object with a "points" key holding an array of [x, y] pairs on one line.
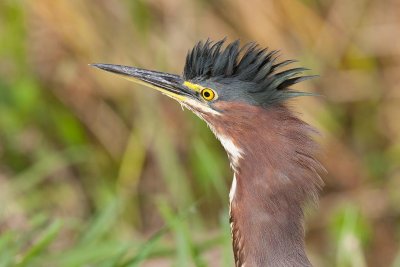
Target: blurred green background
{"points": [[97, 171]]}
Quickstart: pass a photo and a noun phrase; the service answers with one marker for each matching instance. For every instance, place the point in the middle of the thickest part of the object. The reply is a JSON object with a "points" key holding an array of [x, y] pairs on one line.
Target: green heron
{"points": [[240, 93]]}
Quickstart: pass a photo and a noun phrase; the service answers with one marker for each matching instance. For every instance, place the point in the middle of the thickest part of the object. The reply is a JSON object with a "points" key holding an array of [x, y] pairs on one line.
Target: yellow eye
{"points": [[208, 94]]}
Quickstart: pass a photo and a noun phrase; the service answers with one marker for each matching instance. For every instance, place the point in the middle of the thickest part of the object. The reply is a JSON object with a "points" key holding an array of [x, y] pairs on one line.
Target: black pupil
{"points": [[207, 94]]}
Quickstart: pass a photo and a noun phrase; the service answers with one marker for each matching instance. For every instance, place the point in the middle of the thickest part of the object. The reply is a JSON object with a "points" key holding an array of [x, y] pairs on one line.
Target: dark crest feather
{"points": [[249, 63]]}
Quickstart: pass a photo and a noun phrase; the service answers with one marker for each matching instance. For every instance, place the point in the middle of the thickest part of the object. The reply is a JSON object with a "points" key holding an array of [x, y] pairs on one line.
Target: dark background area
{"points": [[97, 171]]}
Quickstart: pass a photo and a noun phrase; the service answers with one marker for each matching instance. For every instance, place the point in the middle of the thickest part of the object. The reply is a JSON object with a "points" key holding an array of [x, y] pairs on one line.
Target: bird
{"points": [[242, 93]]}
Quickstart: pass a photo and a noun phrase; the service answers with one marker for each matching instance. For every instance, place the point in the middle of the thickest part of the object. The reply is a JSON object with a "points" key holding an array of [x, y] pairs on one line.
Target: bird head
{"points": [[219, 79]]}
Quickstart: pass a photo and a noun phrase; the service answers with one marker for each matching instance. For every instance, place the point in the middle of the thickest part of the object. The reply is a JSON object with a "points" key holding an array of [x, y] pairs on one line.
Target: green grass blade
{"points": [[47, 237]]}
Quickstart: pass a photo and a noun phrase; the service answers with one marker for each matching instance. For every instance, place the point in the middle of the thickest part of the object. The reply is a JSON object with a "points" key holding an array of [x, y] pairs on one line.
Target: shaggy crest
{"points": [[249, 64]]}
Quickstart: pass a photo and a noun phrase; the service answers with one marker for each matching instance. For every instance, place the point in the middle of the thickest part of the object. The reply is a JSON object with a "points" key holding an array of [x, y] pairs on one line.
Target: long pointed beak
{"points": [[169, 84]]}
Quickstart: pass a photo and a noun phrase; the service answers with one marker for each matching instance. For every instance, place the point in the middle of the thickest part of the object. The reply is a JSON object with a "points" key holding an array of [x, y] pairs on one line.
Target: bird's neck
{"points": [[272, 156]]}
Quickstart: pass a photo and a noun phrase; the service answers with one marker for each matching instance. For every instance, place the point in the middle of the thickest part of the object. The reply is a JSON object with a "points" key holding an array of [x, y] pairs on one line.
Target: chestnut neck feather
{"points": [[275, 175]]}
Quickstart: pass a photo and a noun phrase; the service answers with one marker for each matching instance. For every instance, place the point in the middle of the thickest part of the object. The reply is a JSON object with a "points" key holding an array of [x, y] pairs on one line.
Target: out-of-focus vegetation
{"points": [[96, 171]]}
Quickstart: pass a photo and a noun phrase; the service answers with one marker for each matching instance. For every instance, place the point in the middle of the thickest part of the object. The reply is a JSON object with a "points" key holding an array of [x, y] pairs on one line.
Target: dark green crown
{"points": [[249, 68]]}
